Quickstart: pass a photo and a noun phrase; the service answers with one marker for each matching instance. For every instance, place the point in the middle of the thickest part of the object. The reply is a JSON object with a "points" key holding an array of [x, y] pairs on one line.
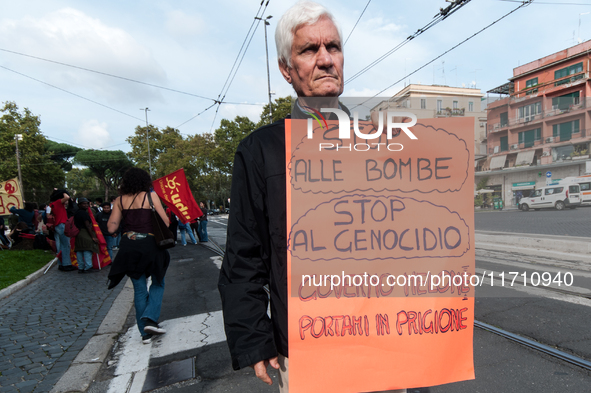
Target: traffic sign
{"points": [[548, 174]]}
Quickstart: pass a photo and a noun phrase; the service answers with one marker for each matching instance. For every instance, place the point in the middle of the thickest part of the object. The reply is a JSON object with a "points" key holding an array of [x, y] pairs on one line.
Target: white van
{"points": [[584, 182], [557, 196]]}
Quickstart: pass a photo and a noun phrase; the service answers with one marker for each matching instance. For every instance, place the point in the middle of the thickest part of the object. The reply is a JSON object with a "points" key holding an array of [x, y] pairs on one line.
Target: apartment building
{"points": [[539, 131], [431, 101]]}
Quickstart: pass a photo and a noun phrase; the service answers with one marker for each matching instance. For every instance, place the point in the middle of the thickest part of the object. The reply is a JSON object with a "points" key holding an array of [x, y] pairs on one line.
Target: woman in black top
{"points": [[139, 257]]}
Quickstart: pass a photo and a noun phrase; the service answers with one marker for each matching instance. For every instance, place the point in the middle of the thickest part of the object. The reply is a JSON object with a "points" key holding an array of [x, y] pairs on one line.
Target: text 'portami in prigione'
{"points": [[380, 222]]}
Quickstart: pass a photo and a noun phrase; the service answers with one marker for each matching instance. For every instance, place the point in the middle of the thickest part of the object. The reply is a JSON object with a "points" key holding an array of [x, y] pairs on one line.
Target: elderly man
{"points": [[309, 46]]}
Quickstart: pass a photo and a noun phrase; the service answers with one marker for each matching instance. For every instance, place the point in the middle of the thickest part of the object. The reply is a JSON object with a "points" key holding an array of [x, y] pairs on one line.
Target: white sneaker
{"points": [[152, 327]]}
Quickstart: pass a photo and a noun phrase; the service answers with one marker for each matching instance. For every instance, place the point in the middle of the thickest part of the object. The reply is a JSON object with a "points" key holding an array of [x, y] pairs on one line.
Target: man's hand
{"points": [[260, 369]]}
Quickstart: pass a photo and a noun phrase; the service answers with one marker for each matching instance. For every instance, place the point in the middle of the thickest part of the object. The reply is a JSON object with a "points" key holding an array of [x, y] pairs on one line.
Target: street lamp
{"points": [[148, 138], [266, 20], [19, 137]]}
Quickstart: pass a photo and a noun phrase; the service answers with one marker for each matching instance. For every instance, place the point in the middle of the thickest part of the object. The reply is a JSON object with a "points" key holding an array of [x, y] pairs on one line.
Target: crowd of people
{"points": [[45, 226]]}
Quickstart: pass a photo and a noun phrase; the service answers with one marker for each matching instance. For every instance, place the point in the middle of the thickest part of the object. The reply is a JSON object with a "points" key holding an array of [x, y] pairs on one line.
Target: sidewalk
{"points": [[46, 324]]}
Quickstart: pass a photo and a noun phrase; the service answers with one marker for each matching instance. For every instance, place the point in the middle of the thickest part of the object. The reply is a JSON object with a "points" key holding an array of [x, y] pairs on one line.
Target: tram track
{"points": [[548, 350]]}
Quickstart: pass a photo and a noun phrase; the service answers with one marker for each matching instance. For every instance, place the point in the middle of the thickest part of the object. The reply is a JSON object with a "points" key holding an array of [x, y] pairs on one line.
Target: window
{"points": [[504, 143], [573, 189], [537, 193], [504, 119], [455, 105], [439, 105], [585, 186], [470, 106], [423, 103], [566, 71], [531, 83], [528, 112], [565, 101], [529, 138], [565, 130]]}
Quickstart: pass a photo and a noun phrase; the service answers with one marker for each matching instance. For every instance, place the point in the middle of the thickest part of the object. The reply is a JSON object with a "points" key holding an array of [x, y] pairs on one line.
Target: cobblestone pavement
{"points": [[46, 324], [575, 222]]}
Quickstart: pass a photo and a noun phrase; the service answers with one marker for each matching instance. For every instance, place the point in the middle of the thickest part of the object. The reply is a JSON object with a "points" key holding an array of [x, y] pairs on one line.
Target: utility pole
{"points": [[266, 20], [19, 137], [148, 138]]}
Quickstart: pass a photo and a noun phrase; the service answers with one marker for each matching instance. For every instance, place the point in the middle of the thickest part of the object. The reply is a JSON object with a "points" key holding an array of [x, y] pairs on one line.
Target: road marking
{"points": [[217, 261], [182, 334]]}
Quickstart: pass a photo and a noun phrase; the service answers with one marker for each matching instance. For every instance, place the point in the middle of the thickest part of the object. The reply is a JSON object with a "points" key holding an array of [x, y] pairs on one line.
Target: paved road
{"points": [[567, 222], [44, 326]]}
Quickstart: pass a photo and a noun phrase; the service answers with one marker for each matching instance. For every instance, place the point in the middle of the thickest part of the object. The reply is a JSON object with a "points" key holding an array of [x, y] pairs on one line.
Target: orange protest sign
{"points": [[380, 251], [176, 194], [10, 195]]}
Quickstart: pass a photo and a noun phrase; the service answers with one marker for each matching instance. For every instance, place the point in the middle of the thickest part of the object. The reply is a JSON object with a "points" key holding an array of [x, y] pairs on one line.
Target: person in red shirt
{"points": [[59, 201]]}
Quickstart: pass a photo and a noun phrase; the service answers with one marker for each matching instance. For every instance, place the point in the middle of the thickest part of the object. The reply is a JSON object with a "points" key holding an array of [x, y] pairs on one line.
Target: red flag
{"points": [[174, 191], [103, 255]]}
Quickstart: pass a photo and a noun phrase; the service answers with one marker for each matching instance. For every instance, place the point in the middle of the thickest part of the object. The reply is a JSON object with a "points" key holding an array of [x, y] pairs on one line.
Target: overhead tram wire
{"points": [[442, 15], [236, 65], [69, 92], [242, 47], [358, 19], [256, 21], [523, 4], [106, 74]]}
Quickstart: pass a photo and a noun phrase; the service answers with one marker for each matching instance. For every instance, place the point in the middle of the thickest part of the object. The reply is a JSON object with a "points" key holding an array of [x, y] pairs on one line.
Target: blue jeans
{"points": [[84, 260], [203, 231], [62, 243], [110, 243], [147, 302], [186, 228]]}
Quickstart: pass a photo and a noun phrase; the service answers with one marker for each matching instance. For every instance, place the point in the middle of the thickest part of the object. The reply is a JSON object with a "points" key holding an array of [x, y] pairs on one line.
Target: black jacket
{"points": [[256, 248]]}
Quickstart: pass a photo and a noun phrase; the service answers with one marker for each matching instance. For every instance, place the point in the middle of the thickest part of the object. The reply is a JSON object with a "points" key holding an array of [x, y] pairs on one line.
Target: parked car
{"points": [[227, 210], [554, 196]]}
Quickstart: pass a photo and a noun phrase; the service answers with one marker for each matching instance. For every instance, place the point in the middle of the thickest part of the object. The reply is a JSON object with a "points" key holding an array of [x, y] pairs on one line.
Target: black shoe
{"points": [[152, 327], [80, 271], [147, 338], [60, 267], [68, 268]]}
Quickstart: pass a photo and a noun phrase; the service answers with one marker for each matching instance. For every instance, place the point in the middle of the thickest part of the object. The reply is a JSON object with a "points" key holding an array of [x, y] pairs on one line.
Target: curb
{"points": [[24, 282], [89, 361]]}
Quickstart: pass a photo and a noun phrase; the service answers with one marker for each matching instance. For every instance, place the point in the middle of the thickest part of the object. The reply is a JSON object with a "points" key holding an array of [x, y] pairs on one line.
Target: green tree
{"points": [[227, 138], [39, 172], [281, 107], [62, 153], [161, 143], [81, 182], [107, 166]]}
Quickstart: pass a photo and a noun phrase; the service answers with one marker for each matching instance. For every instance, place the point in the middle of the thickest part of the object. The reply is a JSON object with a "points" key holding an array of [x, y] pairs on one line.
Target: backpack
{"points": [[70, 229]]}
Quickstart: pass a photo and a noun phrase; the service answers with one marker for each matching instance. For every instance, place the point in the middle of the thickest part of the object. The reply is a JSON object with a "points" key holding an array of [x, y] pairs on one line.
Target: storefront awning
{"points": [[525, 157], [498, 162]]}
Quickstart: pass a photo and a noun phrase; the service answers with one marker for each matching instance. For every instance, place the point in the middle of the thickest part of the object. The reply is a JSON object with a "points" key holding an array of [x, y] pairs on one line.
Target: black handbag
{"points": [[164, 237]]}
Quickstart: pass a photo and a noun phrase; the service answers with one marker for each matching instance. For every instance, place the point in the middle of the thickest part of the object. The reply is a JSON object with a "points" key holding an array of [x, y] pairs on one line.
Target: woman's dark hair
{"points": [[135, 180]]}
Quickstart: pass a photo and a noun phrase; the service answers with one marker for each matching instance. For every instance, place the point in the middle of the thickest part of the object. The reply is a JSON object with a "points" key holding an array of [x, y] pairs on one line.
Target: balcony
{"points": [[564, 108]]}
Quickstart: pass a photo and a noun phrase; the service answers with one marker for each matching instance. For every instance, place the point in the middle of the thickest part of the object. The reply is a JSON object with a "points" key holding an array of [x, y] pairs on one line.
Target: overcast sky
{"points": [[190, 47]]}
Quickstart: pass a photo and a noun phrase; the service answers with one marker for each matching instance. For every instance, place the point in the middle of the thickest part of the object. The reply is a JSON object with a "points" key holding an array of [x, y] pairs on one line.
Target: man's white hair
{"points": [[302, 13]]}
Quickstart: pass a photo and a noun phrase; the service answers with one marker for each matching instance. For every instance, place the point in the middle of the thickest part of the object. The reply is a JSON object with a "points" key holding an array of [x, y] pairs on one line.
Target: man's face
{"points": [[83, 205], [107, 208], [316, 61]]}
